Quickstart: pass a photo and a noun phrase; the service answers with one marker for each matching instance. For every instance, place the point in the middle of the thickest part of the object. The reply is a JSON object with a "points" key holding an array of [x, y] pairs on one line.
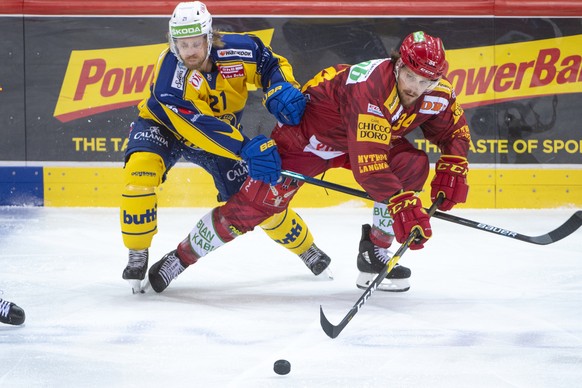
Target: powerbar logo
{"points": [[492, 74], [97, 81], [372, 128], [103, 80]]}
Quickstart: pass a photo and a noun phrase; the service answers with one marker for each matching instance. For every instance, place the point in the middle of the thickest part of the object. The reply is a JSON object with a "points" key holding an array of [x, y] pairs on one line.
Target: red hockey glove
{"points": [[451, 180], [408, 214]]}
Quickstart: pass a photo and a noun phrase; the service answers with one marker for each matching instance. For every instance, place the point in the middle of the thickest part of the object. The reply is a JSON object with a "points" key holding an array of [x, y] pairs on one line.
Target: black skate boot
{"points": [[11, 313], [372, 260], [316, 260], [164, 271], [136, 269]]}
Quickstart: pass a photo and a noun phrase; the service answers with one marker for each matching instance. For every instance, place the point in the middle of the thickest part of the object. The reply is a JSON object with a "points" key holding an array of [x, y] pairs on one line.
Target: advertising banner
{"points": [[69, 86], [12, 104], [518, 81]]}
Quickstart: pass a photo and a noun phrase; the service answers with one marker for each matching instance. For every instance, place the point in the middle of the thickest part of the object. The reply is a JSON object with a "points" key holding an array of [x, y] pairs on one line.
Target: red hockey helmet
{"points": [[424, 55]]}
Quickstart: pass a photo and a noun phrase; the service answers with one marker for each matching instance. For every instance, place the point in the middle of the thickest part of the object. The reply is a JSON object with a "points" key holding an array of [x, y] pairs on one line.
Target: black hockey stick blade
{"points": [[331, 330], [564, 230], [334, 330]]}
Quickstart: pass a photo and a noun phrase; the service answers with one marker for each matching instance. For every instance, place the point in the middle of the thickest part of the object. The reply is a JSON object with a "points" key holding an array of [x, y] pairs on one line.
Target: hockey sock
{"points": [[382, 233], [139, 204], [289, 230], [209, 234]]}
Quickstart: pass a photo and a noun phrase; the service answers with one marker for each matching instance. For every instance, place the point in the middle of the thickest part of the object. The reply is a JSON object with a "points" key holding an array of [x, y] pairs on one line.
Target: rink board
{"points": [[192, 187]]}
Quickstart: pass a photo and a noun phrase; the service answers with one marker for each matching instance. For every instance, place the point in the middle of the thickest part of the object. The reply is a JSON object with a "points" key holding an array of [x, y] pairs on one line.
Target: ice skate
{"points": [[317, 261], [11, 313], [372, 260], [164, 271], [136, 269]]}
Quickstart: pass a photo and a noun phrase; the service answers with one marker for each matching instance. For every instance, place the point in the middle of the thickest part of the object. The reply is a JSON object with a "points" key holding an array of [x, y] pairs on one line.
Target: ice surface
{"points": [[483, 310]]}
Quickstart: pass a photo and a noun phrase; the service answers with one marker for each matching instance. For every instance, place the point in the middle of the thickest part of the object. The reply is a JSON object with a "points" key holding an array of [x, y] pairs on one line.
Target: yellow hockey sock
{"points": [[289, 230], [139, 204]]}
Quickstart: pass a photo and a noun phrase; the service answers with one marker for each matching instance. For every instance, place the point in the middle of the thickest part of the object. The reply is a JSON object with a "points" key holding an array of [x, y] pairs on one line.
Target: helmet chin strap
{"points": [[209, 39], [397, 66]]}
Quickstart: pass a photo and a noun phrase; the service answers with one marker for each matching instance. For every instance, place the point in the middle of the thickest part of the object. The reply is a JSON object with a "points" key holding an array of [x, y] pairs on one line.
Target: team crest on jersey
{"points": [[232, 71], [228, 118], [361, 72], [374, 110], [433, 105], [196, 80], [179, 75], [223, 53], [280, 198]]}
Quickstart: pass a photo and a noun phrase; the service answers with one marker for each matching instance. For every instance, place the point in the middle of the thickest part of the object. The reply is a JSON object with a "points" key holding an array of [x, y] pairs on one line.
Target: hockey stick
{"points": [[334, 330], [564, 230]]}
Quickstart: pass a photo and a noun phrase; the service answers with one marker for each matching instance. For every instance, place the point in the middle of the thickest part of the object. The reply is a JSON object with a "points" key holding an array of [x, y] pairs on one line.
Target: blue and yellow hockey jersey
{"points": [[204, 110]]}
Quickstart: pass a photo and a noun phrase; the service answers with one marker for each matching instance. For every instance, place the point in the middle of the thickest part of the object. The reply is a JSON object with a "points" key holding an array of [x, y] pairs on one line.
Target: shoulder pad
{"points": [[445, 86], [236, 46]]}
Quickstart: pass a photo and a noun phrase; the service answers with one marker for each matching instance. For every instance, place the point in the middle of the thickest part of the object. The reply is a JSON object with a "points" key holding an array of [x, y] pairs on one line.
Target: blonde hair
{"points": [[217, 39]]}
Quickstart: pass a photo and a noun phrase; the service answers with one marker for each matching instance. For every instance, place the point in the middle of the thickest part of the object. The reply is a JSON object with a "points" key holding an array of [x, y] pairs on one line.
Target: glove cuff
{"points": [[401, 201], [455, 159]]}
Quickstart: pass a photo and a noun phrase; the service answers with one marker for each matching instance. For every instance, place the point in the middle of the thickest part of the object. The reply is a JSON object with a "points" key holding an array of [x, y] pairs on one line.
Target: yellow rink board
{"points": [[193, 187]]}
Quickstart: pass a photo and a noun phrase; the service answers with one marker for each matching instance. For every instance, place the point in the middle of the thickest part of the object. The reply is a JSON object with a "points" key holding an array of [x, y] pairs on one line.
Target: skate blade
{"points": [[139, 286], [388, 285], [326, 275], [146, 286]]}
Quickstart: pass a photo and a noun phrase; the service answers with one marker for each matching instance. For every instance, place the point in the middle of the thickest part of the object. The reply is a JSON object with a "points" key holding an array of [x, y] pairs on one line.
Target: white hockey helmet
{"points": [[190, 19]]}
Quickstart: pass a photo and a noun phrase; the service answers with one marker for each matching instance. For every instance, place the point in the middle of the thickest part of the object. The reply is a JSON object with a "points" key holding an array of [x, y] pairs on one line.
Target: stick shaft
{"points": [[564, 230]]}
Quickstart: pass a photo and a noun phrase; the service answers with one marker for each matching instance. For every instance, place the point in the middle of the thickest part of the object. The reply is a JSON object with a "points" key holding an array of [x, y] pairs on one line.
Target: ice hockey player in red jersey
{"points": [[357, 117]]}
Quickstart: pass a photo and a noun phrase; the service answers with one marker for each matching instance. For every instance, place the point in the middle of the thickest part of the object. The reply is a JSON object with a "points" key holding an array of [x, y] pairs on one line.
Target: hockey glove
{"points": [[451, 180], [285, 102], [408, 214], [262, 159]]}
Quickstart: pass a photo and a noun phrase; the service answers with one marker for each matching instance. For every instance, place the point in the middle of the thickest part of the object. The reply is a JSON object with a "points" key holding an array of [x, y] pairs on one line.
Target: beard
{"points": [[408, 98], [194, 62]]}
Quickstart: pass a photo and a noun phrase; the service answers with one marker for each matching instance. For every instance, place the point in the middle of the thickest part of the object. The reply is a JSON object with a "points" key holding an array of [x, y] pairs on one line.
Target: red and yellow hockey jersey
{"points": [[356, 110]]}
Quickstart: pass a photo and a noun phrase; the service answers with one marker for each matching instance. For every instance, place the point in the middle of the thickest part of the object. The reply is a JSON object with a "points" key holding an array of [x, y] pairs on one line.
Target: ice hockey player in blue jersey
{"points": [[193, 111]]}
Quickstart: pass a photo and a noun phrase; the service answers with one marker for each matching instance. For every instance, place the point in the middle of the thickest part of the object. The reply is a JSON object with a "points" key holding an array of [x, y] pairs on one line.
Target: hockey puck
{"points": [[282, 367]]}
